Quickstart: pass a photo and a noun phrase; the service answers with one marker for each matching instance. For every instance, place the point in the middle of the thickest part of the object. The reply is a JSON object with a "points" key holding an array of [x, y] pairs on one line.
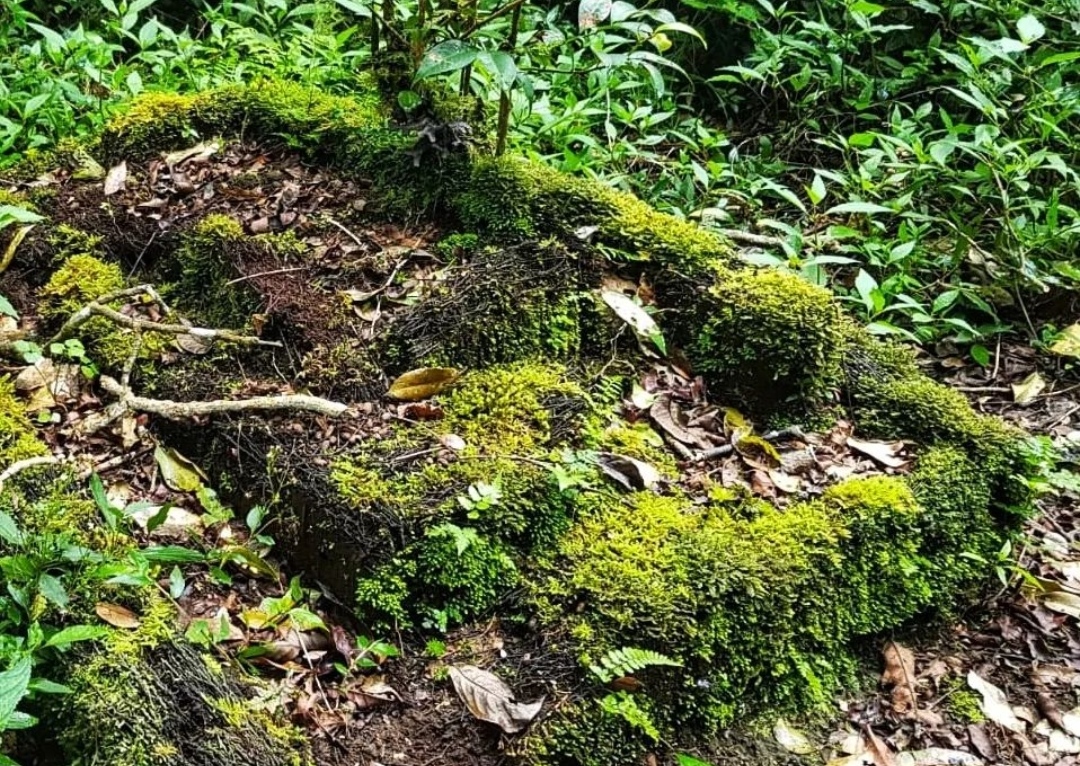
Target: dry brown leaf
{"points": [[885, 453], [423, 383], [791, 739], [879, 751], [491, 700], [116, 179], [117, 616], [980, 740], [630, 473], [900, 675], [667, 415], [937, 756], [1063, 602]]}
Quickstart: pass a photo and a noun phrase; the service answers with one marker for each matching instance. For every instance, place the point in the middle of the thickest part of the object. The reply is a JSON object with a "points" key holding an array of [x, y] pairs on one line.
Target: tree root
{"points": [[21, 465], [184, 410], [100, 307]]}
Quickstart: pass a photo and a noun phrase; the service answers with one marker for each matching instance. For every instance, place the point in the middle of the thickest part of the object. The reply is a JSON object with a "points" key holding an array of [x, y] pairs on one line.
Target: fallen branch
{"points": [[100, 307], [184, 410]]}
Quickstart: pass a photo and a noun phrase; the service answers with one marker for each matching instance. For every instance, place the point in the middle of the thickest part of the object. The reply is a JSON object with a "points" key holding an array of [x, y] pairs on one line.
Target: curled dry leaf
{"points": [[643, 325], [1063, 602], [791, 739], [452, 441], [423, 383], [666, 414], [994, 704], [885, 453], [116, 179], [630, 473], [1027, 389], [899, 674], [177, 471], [491, 700], [117, 616], [937, 756]]}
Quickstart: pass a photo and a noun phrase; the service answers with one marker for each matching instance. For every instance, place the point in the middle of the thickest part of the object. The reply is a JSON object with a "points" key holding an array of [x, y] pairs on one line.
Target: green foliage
{"points": [[627, 661], [17, 438]]}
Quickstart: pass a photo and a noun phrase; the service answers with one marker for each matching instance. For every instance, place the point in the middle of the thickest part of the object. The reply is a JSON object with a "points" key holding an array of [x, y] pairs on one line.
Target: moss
{"points": [[456, 559], [82, 278], [503, 305], [770, 338], [67, 241], [18, 440], [207, 259], [585, 735], [15, 199], [146, 700], [510, 195], [965, 705]]}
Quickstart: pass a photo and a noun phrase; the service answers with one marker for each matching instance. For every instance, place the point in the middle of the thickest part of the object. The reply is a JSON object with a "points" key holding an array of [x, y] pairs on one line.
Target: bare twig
{"points": [[345, 229], [184, 410], [22, 465], [761, 240]]}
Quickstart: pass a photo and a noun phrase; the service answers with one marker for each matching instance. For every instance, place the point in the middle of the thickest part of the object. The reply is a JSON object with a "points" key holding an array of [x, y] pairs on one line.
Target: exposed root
{"points": [[100, 307], [22, 465], [184, 410]]}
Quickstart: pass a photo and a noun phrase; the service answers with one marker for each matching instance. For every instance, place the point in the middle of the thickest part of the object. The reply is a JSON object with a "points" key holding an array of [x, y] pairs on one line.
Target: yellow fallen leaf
{"points": [[423, 383], [1068, 342], [1027, 389]]}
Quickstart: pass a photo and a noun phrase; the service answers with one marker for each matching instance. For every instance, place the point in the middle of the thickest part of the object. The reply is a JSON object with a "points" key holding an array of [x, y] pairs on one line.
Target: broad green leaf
{"points": [[177, 471], [593, 12], [360, 9], [14, 683], [500, 64], [9, 530], [6, 309], [172, 554], [53, 590], [75, 634], [446, 57], [816, 191], [1030, 28], [176, 583], [864, 208], [304, 619], [45, 686], [981, 355]]}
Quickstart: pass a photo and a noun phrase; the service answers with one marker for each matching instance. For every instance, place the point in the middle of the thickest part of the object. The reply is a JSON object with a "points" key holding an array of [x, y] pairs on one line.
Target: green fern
{"points": [[623, 706], [628, 660]]}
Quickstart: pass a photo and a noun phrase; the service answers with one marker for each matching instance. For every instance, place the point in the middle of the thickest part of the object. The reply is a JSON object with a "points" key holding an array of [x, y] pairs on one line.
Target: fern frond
{"points": [[627, 661]]}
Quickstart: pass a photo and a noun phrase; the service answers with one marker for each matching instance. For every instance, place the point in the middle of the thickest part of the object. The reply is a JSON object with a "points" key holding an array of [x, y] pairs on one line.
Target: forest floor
{"points": [[1019, 646]]}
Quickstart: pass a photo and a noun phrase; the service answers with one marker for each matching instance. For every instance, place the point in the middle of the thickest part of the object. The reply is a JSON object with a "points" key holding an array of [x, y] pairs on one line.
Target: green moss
{"points": [[80, 279], [18, 440], [965, 705], [585, 735], [770, 338], [457, 559], [510, 195], [146, 700], [208, 260], [67, 242]]}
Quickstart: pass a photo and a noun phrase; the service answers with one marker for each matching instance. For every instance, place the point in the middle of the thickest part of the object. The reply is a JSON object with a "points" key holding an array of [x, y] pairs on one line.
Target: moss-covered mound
{"points": [[537, 486]]}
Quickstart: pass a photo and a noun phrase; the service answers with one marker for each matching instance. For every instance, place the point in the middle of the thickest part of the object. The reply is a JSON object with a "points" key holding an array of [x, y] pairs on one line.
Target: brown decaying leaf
{"points": [[423, 383], [491, 700], [630, 473], [900, 675], [666, 414], [980, 740], [994, 704], [878, 750], [117, 616]]}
